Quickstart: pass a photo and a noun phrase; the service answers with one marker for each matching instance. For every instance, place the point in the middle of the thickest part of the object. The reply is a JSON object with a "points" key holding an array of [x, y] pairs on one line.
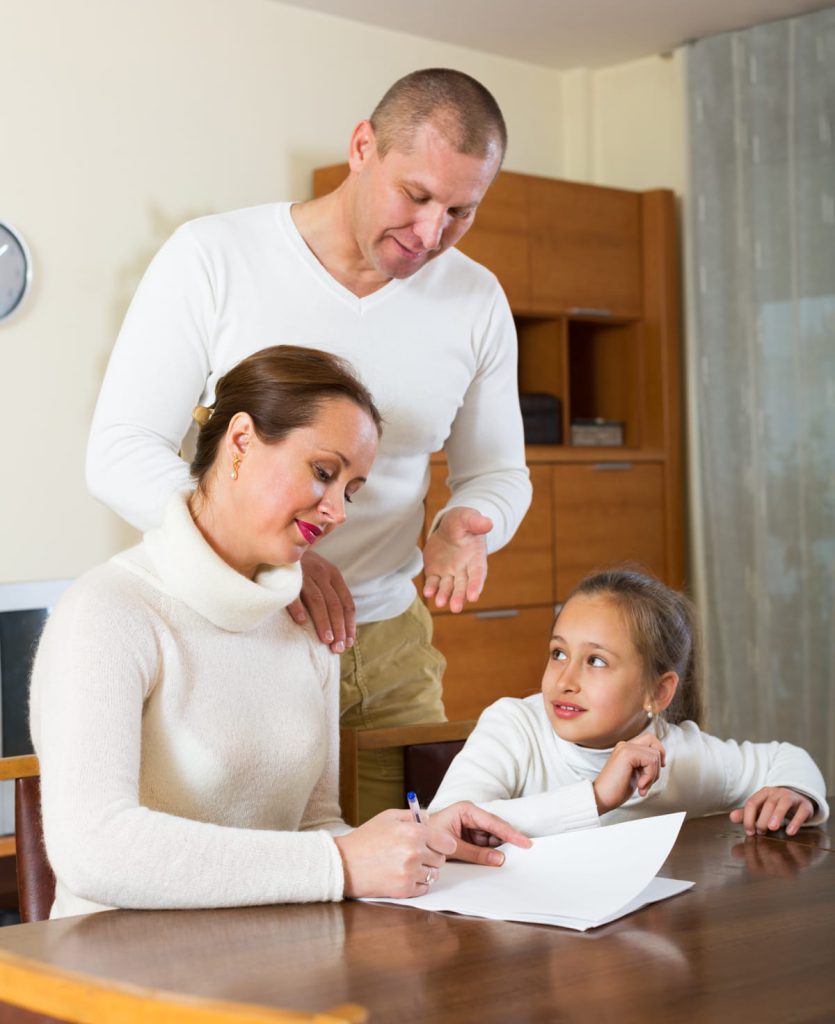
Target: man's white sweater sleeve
{"points": [[156, 375], [486, 448]]}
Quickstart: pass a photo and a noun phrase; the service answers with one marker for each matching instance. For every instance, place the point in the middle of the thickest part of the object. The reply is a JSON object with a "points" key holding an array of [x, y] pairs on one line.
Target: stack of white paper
{"points": [[576, 879]]}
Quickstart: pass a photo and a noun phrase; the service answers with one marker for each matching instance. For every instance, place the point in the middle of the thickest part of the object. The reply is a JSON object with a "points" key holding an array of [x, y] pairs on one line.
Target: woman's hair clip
{"points": [[201, 414]]}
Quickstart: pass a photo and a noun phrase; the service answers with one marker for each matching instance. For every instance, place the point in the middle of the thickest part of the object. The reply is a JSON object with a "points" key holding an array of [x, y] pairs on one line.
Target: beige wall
{"points": [[136, 116]]}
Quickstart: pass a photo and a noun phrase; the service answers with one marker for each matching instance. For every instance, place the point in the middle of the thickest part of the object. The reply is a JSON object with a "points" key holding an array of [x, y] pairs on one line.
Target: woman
{"points": [[187, 728]]}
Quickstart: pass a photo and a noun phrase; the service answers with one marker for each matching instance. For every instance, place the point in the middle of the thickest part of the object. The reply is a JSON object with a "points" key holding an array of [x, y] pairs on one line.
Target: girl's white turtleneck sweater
{"points": [[187, 731], [516, 766]]}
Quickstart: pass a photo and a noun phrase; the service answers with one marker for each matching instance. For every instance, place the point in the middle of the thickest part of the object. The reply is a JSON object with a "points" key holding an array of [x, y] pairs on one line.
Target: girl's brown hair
{"points": [[662, 626], [282, 388]]}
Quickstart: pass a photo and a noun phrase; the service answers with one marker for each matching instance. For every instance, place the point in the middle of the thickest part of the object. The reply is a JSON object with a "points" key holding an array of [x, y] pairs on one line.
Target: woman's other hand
{"points": [[476, 832]]}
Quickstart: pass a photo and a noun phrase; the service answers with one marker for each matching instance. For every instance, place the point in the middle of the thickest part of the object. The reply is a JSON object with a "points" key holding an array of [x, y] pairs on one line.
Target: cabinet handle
{"points": [[588, 311], [607, 466], [499, 613]]}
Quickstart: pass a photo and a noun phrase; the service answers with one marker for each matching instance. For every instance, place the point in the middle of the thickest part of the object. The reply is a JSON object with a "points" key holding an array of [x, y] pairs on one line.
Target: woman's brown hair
{"points": [[282, 388], [662, 626]]}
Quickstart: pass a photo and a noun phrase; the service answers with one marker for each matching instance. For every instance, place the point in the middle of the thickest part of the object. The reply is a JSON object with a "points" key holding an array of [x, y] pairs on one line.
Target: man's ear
{"points": [[363, 144], [664, 691]]}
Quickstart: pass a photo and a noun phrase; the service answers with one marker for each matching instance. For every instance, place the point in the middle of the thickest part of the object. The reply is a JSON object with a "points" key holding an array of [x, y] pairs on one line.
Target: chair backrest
{"points": [[35, 877], [427, 752], [425, 765]]}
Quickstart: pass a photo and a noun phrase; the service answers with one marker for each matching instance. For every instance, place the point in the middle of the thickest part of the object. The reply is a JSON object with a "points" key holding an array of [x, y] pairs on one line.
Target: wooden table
{"points": [[752, 941]]}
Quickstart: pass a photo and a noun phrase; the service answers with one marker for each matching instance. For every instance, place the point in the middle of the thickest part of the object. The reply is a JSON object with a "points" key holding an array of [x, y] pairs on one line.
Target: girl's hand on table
{"points": [[769, 807]]}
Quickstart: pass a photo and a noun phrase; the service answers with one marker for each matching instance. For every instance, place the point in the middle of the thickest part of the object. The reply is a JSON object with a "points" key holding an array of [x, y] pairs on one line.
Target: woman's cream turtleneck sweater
{"points": [[187, 731]]}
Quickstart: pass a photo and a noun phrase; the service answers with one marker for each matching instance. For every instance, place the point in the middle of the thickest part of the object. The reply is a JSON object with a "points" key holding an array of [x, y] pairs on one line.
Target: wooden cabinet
{"points": [[606, 512], [592, 278], [491, 654], [502, 240], [585, 250]]}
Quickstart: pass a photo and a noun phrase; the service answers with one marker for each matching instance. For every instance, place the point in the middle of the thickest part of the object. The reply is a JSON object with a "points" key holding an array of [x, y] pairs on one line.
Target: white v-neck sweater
{"points": [[187, 734], [437, 351]]}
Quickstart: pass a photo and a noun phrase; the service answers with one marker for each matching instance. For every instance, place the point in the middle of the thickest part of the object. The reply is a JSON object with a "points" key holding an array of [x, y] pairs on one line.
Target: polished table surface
{"points": [[754, 939]]}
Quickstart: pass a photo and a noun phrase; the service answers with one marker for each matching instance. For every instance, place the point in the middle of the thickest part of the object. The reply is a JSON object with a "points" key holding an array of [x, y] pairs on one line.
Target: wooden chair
{"points": [[82, 999], [35, 878], [427, 753]]}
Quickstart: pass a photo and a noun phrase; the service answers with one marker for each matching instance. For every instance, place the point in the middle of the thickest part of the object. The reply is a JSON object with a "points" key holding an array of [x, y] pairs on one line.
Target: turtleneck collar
{"points": [[587, 762], [190, 570]]}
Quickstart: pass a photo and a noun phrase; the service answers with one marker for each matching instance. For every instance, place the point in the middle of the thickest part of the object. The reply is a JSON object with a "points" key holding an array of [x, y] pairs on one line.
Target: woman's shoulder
{"points": [[108, 594]]}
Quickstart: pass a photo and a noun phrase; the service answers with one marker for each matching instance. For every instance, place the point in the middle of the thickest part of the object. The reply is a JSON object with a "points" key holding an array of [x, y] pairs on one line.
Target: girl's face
{"points": [[594, 685], [288, 494]]}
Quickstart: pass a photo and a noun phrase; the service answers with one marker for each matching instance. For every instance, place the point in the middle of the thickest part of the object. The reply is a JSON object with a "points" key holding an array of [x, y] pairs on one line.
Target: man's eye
{"points": [[417, 199], [460, 214]]}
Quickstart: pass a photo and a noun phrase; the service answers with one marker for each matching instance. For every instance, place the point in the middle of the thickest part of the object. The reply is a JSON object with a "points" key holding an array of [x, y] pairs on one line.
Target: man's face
{"points": [[410, 207]]}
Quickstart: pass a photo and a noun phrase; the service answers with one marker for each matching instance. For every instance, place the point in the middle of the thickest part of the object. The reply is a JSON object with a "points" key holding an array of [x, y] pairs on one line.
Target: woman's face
{"points": [[288, 494]]}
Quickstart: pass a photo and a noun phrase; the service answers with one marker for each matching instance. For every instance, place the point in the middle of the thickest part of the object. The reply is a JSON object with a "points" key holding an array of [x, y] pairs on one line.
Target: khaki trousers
{"points": [[391, 676]]}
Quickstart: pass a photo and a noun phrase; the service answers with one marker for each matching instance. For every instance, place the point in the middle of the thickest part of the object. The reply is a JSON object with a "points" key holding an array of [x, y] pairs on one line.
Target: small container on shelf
{"points": [[541, 417], [597, 432]]}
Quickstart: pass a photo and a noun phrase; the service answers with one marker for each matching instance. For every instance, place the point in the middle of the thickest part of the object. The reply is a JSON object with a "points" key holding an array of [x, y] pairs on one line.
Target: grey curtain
{"points": [[761, 359]]}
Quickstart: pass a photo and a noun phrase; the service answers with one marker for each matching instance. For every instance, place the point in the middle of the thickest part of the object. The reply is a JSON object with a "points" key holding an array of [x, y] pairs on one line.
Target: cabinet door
{"points": [[585, 248], [499, 236], [522, 572], [606, 513], [491, 655]]}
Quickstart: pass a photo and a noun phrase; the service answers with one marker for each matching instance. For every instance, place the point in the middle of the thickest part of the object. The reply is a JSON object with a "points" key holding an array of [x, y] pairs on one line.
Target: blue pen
{"points": [[414, 807]]}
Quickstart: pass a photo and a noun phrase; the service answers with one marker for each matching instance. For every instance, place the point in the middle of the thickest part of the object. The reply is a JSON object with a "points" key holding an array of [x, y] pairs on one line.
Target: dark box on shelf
{"points": [[541, 418], [597, 432]]}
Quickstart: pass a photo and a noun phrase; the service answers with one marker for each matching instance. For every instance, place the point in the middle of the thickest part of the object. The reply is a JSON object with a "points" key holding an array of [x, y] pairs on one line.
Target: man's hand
{"points": [[464, 821], [455, 558], [326, 599]]}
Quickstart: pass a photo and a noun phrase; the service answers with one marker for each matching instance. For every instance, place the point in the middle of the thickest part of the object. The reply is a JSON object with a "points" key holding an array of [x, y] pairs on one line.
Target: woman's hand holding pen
{"points": [[633, 764], [394, 855]]}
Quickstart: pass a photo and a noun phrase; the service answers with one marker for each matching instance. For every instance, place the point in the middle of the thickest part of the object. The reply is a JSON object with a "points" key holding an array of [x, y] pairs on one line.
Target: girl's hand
{"points": [[633, 764], [768, 808], [393, 855]]}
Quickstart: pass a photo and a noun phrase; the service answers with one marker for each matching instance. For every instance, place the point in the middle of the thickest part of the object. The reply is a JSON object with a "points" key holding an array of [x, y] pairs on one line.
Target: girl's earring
{"points": [[649, 714], [235, 463]]}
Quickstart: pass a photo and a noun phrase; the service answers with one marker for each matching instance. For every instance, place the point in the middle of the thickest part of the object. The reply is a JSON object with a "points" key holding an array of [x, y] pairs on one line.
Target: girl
{"points": [[186, 726], [615, 734]]}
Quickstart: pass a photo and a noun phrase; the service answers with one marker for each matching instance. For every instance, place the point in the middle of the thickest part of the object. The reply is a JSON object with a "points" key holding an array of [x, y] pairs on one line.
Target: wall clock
{"points": [[15, 270]]}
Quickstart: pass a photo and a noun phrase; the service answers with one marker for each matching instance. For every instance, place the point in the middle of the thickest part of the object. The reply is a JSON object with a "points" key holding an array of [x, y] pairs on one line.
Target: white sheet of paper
{"points": [[574, 879]]}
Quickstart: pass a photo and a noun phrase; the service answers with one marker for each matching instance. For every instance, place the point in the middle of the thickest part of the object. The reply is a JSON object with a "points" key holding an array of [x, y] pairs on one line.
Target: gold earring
{"points": [[235, 463]]}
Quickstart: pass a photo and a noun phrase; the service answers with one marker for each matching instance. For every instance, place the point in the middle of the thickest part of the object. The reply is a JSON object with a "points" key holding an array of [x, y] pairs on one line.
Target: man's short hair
{"points": [[460, 107]]}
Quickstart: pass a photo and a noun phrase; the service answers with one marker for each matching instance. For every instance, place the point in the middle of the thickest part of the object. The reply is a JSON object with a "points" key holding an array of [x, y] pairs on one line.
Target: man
{"points": [[365, 272]]}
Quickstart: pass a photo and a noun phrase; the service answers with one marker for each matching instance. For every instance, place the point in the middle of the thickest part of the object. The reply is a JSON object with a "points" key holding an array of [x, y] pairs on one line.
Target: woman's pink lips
{"points": [[308, 530], [565, 710]]}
